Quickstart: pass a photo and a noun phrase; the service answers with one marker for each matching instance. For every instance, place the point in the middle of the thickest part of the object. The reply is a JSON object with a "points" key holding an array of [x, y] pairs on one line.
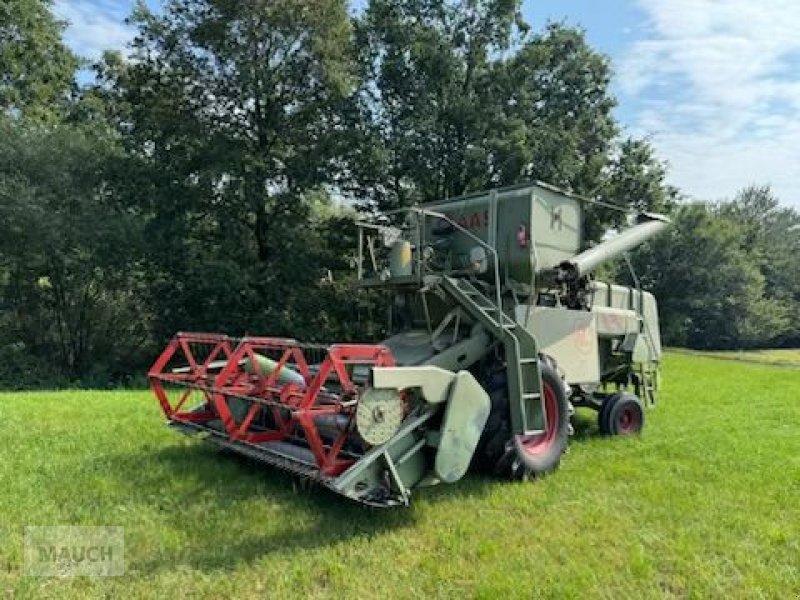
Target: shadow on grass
{"points": [[585, 425], [206, 496]]}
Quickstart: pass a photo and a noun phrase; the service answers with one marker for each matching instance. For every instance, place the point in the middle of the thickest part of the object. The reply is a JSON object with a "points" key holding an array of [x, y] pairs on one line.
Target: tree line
{"points": [[207, 179]]}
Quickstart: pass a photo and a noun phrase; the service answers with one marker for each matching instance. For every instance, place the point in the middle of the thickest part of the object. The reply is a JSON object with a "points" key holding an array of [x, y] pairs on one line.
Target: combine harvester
{"points": [[498, 329]]}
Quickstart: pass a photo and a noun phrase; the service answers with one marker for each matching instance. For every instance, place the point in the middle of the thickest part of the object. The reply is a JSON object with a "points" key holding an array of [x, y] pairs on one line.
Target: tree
{"points": [[229, 113], [36, 69], [554, 107], [711, 291], [771, 236], [458, 96], [634, 180], [236, 96], [70, 298], [425, 95]]}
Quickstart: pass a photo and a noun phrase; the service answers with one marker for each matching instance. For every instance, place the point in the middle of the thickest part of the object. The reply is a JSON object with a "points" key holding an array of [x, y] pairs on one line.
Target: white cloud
{"points": [[94, 25], [718, 86]]}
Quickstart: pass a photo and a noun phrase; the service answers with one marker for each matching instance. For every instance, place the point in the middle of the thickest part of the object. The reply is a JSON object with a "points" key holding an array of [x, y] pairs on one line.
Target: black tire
{"points": [[495, 433], [602, 415], [517, 457], [622, 414]]}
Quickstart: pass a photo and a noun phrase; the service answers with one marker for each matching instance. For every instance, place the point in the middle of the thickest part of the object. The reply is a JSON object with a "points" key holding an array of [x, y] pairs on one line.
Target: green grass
{"points": [[784, 357], [705, 504]]}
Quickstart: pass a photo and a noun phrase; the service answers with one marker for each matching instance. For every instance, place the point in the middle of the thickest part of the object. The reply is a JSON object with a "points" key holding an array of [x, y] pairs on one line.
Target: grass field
{"points": [[784, 357], [705, 504]]}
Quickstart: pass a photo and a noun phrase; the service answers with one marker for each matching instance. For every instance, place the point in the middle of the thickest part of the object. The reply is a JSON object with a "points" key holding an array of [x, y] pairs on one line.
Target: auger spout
{"points": [[649, 225]]}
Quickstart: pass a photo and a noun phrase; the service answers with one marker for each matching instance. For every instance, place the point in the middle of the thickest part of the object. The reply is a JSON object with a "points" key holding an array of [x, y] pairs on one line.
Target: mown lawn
{"points": [[783, 357], [705, 504]]}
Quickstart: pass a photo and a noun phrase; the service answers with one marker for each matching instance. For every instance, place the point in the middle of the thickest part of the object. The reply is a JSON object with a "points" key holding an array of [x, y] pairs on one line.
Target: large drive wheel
{"points": [[621, 414], [523, 457]]}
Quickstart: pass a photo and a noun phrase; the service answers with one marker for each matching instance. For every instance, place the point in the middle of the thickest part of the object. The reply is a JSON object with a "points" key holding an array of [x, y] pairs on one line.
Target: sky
{"points": [[714, 84]]}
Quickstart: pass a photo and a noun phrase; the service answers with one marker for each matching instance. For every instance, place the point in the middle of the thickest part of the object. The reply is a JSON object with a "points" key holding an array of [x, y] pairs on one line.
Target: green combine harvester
{"points": [[498, 332]]}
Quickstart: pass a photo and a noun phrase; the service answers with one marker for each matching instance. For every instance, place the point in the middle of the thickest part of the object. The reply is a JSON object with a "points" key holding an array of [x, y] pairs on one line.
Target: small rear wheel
{"points": [[621, 414]]}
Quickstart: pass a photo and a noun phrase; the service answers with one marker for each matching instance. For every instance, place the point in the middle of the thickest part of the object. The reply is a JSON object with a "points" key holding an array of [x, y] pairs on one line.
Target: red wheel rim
{"points": [[540, 444], [629, 420]]}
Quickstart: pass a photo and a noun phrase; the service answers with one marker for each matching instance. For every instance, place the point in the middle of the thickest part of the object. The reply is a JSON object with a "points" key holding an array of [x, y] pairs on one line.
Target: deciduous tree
{"points": [[36, 69]]}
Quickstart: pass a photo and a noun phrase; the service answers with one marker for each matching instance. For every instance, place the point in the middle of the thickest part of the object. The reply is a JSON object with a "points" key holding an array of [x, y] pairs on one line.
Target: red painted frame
{"points": [[294, 406]]}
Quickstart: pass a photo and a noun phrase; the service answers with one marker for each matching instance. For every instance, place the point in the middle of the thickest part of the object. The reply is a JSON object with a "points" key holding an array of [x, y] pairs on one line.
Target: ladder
{"points": [[649, 383], [526, 402]]}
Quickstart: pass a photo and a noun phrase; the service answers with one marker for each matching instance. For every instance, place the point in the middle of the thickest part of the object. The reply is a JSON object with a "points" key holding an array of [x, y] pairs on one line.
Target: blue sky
{"points": [[714, 83]]}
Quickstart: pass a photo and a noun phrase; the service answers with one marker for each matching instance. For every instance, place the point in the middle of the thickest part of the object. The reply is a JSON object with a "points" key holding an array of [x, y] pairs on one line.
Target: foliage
{"points": [[635, 179], [36, 68], [245, 89], [711, 290], [425, 68], [771, 237], [227, 111], [71, 288], [457, 96], [555, 106]]}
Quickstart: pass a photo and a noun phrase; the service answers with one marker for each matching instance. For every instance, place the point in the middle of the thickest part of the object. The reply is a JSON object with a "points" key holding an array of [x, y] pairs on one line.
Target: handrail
{"points": [[424, 212], [480, 242], [648, 336]]}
